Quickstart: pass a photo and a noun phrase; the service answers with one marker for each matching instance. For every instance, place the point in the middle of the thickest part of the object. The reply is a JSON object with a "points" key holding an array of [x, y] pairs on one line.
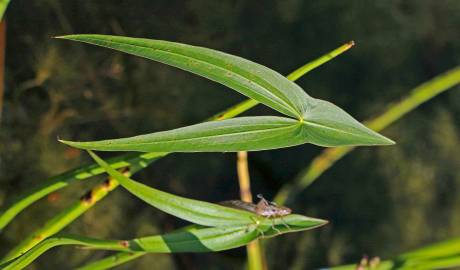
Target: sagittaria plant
{"points": [[216, 227], [309, 120]]}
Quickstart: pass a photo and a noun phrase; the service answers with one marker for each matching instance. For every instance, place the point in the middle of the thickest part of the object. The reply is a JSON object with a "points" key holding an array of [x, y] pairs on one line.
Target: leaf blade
{"points": [[238, 134], [249, 78], [194, 239], [248, 134], [199, 212], [199, 240], [328, 125]]}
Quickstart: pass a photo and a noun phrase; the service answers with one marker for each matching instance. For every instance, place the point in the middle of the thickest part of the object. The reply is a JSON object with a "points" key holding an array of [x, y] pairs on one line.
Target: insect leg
{"points": [[273, 226], [284, 223], [257, 223]]}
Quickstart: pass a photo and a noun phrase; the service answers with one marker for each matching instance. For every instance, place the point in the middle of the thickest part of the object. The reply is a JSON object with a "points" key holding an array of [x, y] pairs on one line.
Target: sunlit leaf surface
{"points": [[314, 121]]}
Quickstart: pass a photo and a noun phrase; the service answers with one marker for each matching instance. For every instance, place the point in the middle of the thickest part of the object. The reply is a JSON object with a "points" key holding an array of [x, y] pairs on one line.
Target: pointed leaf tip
{"points": [[328, 125], [69, 143]]}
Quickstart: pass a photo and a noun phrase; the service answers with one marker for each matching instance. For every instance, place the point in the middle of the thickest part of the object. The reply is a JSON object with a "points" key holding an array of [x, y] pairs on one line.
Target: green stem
{"points": [[61, 220], [57, 182], [49, 243], [320, 61], [328, 157]]}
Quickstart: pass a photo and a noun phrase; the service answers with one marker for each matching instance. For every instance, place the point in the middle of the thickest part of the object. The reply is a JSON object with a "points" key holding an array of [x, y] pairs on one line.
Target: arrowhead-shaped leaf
{"points": [[319, 122]]}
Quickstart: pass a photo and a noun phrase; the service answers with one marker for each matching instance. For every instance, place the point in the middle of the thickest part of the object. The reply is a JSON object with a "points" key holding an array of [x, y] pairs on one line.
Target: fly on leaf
{"points": [[263, 208]]}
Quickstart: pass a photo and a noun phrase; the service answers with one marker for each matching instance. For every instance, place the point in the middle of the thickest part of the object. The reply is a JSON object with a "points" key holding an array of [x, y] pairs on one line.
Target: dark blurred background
{"points": [[380, 201]]}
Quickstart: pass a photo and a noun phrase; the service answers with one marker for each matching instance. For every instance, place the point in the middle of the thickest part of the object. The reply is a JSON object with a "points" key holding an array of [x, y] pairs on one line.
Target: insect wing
{"points": [[240, 205]]}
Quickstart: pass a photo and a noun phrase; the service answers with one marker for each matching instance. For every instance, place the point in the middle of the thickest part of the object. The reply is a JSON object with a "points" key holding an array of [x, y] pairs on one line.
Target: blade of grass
{"points": [[64, 179], [328, 157]]}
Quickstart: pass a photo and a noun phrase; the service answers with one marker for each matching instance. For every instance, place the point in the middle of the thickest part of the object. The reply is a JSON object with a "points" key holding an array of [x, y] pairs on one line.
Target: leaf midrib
{"points": [[203, 137], [315, 124]]}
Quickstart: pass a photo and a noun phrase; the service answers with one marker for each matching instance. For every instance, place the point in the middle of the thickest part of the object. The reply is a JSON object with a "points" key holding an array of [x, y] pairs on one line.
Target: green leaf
{"points": [[248, 134], [327, 125], [251, 79], [199, 240], [191, 239], [243, 133], [324, 123], [204, 213]]}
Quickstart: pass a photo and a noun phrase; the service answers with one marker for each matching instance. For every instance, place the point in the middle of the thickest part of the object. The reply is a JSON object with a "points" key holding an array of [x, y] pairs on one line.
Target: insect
{"points": [[263, 208]]}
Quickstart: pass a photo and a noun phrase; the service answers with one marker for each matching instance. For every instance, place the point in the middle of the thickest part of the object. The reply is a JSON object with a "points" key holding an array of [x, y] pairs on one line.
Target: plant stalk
{"points": [[64, 218], [256, 260]]}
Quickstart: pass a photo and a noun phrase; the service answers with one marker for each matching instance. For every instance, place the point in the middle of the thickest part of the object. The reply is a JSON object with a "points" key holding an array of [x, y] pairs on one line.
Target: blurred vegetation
{"points": [[380, 201]]}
